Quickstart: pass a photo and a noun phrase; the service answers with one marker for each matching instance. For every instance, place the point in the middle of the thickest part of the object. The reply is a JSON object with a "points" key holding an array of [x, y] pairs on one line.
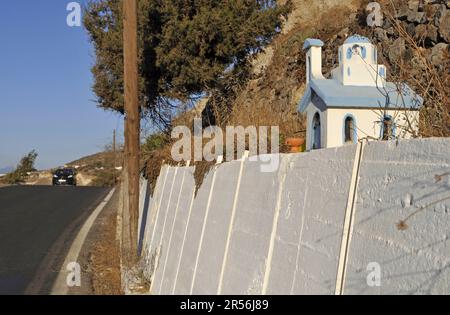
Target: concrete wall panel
{"points": [[153, 255], [251, 231], [309, 232], [178, 232], [415, 260], [189, 253], [216, 232], [167, 223]]}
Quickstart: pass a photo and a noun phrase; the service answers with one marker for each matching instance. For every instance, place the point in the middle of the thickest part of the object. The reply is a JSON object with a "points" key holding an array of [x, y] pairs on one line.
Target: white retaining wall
{"points": [[248, 232]]}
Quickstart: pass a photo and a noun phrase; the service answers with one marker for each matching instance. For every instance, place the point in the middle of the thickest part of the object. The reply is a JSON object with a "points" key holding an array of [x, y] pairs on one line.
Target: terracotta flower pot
{"points": [[295, 144]]}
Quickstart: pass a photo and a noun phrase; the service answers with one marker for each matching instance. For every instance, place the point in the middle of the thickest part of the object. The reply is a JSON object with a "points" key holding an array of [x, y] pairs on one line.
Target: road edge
{"points": [[60, 286]]}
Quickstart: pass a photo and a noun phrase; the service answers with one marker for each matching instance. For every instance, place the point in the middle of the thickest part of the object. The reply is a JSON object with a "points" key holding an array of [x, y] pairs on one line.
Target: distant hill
{"points": [[93, 170], [6, 170], [101, 159], [98, 169]]}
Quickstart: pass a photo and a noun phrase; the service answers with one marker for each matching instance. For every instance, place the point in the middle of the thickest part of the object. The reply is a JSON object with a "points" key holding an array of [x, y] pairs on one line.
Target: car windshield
{"points": [[64, 172]]}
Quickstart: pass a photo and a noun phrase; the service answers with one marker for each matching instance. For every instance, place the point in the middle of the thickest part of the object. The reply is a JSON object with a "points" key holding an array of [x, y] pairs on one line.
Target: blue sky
{"points": [[46, 102]]}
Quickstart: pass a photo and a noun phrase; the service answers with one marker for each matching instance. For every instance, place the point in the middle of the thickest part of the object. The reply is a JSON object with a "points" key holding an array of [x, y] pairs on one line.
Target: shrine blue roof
{"points": [[357, 39], [312, 42], [334, 94]]}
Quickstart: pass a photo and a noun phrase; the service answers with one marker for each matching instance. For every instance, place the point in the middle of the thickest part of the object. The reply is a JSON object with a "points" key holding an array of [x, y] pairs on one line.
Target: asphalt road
{"points": [[37, 227]]}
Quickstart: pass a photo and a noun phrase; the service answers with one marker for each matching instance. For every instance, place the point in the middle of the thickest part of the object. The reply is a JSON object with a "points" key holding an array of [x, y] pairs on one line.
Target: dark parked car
{"points": [[65, 176]]}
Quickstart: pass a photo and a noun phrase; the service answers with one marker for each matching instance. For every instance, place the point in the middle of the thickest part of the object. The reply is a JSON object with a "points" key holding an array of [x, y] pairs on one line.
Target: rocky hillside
{"points": [[414, 39], [414, 44]]}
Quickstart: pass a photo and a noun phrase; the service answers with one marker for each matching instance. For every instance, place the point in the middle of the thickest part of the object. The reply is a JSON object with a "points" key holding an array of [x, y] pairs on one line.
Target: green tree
{"points": [[154, 142], [25, 166], [185, 47]]}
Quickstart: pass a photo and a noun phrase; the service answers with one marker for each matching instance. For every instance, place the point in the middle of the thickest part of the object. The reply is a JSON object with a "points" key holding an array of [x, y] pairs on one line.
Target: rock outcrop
{"points": [[427, 22]]}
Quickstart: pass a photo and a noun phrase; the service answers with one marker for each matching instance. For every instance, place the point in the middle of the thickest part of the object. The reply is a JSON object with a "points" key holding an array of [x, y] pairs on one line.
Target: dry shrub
{"points": [[105, 178], [201, 170], [414, 67], [157, 158], [428, 81], [153, 161]]}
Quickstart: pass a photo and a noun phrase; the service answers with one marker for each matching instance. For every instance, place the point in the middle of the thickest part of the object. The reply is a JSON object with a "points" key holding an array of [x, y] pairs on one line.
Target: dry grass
{"points": [[154, 161], [157, 158], [104, 260], [201, 170]]}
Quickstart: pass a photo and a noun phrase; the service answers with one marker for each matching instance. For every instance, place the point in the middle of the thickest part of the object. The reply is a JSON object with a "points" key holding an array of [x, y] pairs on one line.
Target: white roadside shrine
{"points": [[356, 102]]}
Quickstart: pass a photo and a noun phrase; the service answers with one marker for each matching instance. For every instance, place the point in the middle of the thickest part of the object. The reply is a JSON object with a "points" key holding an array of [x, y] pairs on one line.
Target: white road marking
{"points": [[60, 286]]}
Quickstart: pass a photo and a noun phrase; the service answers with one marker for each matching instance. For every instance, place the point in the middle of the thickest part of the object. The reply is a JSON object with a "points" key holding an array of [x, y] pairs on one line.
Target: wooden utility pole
{"points": [[114, 157], [132, 130]]}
